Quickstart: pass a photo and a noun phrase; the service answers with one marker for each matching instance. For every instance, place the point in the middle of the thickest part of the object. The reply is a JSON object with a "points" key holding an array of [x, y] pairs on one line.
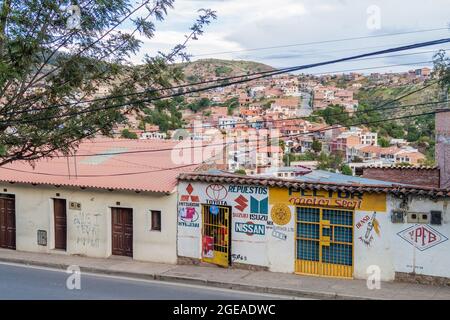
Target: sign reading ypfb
{"points": [[422, 237]]}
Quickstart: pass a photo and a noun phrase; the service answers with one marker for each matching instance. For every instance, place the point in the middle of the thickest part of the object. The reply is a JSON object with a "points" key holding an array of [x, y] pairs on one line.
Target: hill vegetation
{"points": [[206, 69]]}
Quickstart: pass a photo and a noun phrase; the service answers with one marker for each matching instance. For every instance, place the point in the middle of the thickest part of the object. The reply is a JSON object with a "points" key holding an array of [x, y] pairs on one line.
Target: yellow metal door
{"points": [[215, 231], [324, 242]]}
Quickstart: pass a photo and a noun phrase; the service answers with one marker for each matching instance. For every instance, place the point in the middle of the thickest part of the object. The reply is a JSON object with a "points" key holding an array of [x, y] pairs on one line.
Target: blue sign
{"points": [[250, 228], [259, 206], [214, 210]]}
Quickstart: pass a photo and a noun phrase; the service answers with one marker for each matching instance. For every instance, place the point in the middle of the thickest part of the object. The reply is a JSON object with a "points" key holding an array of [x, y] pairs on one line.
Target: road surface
{"points": [[305, 110], [25, 282]]}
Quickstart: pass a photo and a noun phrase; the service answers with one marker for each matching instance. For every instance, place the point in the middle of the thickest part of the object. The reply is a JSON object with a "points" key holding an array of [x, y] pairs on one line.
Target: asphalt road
{"points": [[25, 282], [305, 110]]}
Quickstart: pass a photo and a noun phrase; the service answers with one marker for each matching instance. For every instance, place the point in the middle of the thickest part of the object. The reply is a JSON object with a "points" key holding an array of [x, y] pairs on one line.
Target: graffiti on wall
{"points": [[87, 227], [238, 258], [372, 225], [422, 237]]}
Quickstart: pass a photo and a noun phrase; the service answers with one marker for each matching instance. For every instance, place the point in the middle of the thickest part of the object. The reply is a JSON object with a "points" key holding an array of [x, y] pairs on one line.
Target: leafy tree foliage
{"points": [[165, 114], [51, 71], [199, 105], [316, 146], [127, 134]]}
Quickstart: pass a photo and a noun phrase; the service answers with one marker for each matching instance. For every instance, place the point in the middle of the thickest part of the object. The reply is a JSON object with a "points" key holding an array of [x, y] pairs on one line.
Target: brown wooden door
{"points": [[59, 209], [7, 223], [122, 232]]}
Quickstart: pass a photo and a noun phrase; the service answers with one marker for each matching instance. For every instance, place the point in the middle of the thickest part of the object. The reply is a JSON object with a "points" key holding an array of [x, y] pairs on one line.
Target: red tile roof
{"points": [[137, 171]]}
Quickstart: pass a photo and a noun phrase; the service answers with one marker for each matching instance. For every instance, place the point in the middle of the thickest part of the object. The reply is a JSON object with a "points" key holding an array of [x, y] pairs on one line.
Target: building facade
{"points": [[342, 231], [89, 222], [113, 199]]}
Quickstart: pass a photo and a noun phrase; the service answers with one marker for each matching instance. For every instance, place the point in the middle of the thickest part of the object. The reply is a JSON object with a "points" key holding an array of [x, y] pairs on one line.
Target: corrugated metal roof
{"points": [[331, 177], [143, 171], [299, 185]]}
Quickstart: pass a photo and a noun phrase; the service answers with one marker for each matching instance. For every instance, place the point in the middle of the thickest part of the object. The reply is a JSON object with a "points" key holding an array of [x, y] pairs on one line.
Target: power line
{"points": [[297, 68], [221, 144], [375, 109], [378, 108], [107, 53], [193, 84], [322, 42], [269, 73], [190, 165], [144, 3], [314, 53], [73, 114], [101, 175]]}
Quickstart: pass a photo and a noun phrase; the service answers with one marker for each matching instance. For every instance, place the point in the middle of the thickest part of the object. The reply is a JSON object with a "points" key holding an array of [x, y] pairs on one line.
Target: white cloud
{"points": [[165, 40], [244, 24]]}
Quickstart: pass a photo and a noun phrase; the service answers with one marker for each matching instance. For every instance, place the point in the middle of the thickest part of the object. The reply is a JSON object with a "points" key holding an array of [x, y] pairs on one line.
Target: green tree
{"points": [[165, 114], [232, 104], [335, 114], [413, 133], [345, 169], [199, 105], [330, 162], [127, 134], [316, 146], [282, 144], [383, 142], [53, 62], [241, 171]]}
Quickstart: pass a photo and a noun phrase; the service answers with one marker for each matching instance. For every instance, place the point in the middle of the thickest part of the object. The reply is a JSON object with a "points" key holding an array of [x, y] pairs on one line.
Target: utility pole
{"points": [[442, 149]]}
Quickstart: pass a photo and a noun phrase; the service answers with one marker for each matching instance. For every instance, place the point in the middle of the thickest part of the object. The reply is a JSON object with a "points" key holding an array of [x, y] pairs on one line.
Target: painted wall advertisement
{"points": [[330, 198], [250, 218]]}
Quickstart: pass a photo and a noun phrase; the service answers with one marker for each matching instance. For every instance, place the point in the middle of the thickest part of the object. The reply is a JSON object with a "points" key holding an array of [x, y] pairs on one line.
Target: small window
{"points": [[156, 220]]}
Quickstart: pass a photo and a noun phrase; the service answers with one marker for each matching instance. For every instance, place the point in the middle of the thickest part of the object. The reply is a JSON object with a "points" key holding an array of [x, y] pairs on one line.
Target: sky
{"points": [[243, 27]]}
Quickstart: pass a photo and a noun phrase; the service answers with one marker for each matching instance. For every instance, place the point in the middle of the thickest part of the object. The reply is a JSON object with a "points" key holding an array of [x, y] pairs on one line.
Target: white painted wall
{"points": [[385, 249], [89, 229], [260, 250], [394, 254]]}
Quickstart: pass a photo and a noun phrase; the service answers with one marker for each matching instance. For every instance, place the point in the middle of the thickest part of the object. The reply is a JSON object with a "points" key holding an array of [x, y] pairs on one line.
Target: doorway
{"points": [[122, 231]]}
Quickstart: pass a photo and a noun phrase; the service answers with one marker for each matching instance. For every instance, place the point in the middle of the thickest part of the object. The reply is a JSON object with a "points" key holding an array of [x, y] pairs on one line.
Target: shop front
{"points": [[282, 227], [324, 225], [222, 223]]}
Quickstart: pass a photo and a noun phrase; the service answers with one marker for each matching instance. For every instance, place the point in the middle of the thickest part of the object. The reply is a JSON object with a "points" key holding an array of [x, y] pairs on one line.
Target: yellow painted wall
{"points": [[321, 198]]}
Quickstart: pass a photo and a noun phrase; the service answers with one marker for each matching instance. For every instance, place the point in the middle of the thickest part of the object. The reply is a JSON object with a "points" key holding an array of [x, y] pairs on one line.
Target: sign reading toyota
{"points": [[422, 236]]}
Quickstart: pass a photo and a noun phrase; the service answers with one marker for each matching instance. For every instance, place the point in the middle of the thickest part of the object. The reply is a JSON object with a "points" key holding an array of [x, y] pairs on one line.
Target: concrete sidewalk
{"points": [[253, 281]]}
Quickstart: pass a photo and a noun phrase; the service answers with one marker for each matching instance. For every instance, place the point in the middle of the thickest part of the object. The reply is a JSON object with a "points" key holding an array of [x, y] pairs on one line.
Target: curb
{"points": [[194, 281]]}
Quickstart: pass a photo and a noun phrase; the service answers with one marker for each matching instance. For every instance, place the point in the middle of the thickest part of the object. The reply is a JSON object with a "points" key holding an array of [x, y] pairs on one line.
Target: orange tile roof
{"points": [[139, 171]]}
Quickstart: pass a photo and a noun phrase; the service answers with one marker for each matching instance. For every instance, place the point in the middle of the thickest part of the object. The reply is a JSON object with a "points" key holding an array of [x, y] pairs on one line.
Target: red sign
{"points": [[422, 237], [208, 247], [242, 203], [189, 197]]}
